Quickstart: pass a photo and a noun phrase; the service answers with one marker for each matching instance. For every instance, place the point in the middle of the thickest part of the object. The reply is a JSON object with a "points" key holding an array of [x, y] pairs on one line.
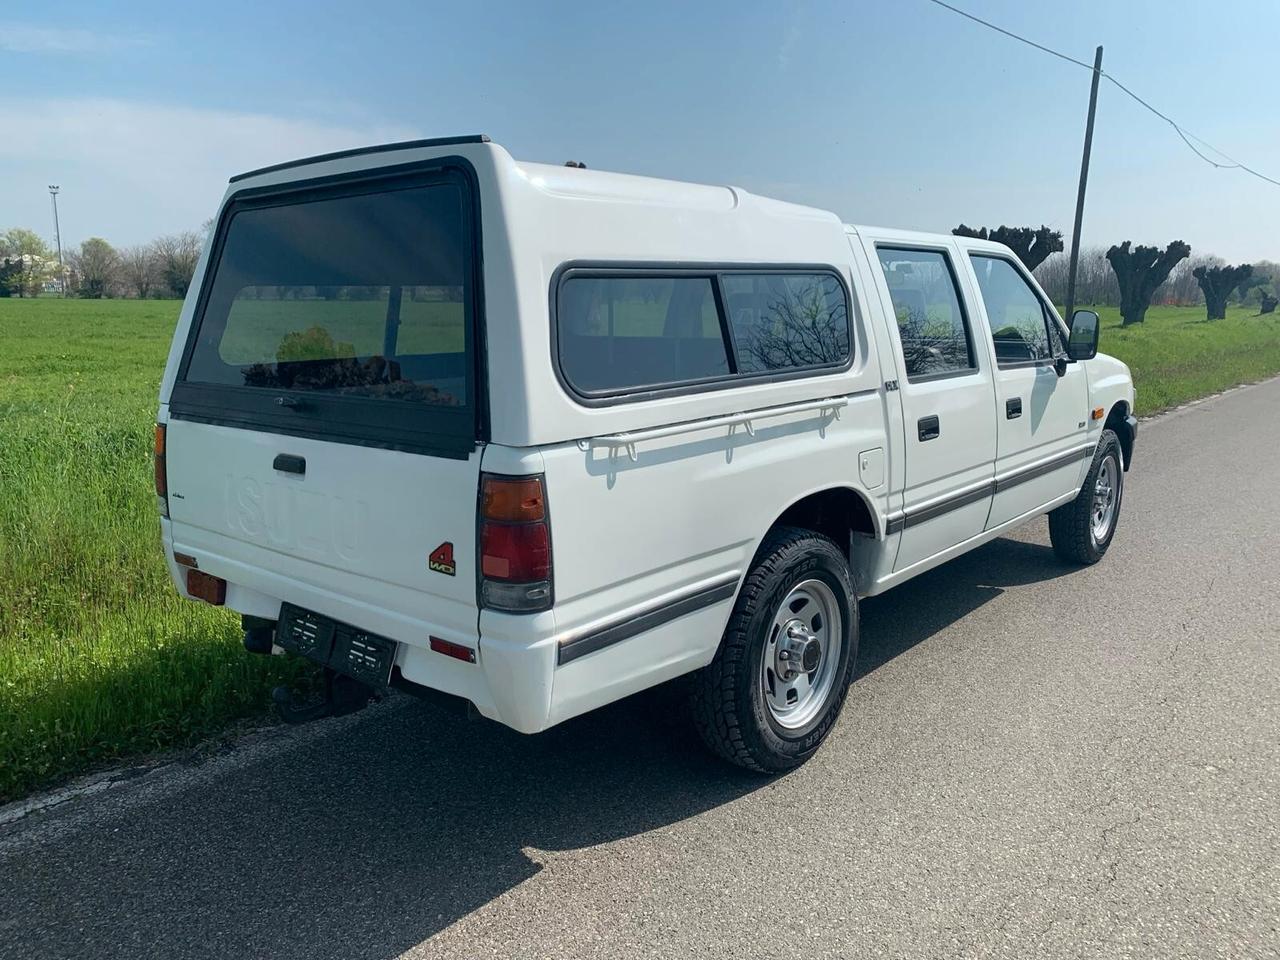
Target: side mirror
{"points": [[1083, 342]]}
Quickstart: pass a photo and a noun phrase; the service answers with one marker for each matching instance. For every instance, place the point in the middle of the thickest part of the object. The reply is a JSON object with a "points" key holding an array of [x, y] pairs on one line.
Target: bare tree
{"points": [[1095, 280], [178, 254], [140, 270], [801, 328], [1217, 284], [1032, 245], [1139, 270], [96, 266]]}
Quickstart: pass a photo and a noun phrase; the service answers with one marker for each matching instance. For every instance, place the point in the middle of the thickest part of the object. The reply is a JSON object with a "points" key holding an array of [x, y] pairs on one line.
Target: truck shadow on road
{"points": [[894, 622], [367, 839]]}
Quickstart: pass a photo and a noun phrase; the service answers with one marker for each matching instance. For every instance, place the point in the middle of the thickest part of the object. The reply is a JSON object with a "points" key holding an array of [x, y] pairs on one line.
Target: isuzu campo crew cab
{"points": [[539, 437]]}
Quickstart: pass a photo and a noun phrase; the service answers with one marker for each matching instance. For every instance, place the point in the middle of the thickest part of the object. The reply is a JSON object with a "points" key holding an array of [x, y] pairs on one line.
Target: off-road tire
{"points": [[726, 700], [1070, 525]]}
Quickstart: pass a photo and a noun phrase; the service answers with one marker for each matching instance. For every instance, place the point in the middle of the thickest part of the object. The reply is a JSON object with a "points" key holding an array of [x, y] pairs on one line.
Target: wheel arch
{"points": [[838, 512]]}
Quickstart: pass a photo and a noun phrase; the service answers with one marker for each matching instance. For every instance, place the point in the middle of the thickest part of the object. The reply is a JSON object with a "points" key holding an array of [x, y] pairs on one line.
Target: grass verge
{"points": [[99, 658]]}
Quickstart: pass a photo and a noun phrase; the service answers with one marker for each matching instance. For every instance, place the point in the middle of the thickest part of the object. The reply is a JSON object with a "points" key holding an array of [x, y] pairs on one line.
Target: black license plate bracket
{"points": [[357, 653]]}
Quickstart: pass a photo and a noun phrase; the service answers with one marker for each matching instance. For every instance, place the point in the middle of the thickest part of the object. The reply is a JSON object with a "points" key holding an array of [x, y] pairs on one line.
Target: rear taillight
{"points": [[515, 544], [162, 477]]}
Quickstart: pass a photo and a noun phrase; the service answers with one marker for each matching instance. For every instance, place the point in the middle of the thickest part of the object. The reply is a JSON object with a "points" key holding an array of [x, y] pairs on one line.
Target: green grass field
{"points": [[99, 659]]}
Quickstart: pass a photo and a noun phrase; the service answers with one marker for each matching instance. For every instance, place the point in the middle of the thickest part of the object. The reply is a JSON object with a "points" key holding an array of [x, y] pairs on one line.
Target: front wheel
{"points": [[776, 686], [1081, 530]]}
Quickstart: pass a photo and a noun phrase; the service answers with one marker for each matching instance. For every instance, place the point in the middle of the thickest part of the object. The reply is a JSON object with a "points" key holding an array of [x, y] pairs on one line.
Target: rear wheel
{"points": [[776, 686], [1081, 530]]}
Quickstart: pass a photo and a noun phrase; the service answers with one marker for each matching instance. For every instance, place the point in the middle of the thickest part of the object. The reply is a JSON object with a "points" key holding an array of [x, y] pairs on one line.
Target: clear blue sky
{"points": [[893, 112]]}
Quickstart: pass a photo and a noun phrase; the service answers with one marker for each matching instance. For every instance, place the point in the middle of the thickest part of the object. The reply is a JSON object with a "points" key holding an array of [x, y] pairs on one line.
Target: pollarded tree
{"points": [[1139, 271], [1217, 284], [1031, 245]]}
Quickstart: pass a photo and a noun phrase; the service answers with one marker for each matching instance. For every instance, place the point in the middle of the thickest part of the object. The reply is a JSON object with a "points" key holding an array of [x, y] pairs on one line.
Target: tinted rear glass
{"points": [[361, 296], [620, 333], [783, 321]]}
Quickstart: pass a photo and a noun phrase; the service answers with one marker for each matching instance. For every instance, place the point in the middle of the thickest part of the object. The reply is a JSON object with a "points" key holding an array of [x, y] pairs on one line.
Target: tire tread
{"points": [[715, 694]]}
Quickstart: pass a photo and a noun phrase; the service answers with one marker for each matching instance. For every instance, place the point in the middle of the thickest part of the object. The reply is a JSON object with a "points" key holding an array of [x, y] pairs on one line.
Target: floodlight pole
{"points": [[1084, 179], [57, 236]]}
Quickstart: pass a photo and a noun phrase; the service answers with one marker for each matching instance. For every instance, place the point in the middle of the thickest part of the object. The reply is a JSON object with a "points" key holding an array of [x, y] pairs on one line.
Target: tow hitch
{"points": [[340, 695]]}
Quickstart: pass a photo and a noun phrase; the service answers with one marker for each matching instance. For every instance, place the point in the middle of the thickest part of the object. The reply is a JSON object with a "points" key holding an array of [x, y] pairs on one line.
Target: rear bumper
{"points": [[510, 682], [519, 677]]}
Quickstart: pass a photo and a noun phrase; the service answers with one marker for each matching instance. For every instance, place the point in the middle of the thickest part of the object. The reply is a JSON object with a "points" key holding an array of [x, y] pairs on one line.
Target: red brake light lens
{"points": [[516, 553]]}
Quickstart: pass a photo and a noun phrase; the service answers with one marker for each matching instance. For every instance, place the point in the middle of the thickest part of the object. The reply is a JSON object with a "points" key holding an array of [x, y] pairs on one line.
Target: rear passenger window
{"points": [[783, 321], [1015, 312], [931, 321], [624, 333]]}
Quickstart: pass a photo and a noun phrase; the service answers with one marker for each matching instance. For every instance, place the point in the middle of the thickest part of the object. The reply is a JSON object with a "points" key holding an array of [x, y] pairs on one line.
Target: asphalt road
{"points": [[1034, 761]]}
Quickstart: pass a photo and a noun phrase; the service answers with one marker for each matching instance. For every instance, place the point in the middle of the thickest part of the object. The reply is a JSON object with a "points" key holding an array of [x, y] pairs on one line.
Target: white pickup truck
{"points": [[538, 437]]}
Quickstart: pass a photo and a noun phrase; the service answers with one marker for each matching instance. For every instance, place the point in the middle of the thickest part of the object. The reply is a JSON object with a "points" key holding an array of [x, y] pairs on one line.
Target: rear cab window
{"points": [[346, 311], [625, 334]]}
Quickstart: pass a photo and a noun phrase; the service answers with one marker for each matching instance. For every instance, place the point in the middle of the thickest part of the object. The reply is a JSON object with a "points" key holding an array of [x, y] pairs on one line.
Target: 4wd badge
{"points": [[441, 559]]}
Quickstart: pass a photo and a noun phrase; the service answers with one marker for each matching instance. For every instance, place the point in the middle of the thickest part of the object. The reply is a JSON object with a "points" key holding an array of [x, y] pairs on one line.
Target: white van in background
{"points": [[540, 437]]}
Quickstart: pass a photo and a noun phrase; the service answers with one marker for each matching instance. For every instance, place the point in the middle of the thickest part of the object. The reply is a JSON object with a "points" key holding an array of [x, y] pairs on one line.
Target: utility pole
{"points": [[57, 236], [1084, 178]]}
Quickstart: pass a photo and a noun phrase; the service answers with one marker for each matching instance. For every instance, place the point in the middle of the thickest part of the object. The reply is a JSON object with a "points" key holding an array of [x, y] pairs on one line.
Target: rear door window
{"points": [[932, 326]]}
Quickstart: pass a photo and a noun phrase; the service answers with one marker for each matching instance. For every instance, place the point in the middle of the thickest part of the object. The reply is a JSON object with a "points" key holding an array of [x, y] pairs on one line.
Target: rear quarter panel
{"points": [[687, 513]]}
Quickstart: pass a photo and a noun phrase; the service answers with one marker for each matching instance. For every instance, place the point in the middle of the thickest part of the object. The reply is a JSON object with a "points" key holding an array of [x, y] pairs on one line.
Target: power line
{"points": [[1184, 134]]}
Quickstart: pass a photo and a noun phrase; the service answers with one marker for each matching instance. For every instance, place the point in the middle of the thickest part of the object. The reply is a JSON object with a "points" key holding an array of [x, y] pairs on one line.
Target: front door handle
{"points": [[928, 428], [1013, 408]]}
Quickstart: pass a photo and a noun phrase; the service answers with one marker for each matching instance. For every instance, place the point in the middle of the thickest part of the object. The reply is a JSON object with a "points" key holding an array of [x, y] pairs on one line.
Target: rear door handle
{"points": [[288, 463], [1013, 408], [929, 428]]}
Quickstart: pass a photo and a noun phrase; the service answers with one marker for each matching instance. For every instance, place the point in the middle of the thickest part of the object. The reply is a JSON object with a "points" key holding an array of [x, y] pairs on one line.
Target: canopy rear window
{"points": [[341, 307]]}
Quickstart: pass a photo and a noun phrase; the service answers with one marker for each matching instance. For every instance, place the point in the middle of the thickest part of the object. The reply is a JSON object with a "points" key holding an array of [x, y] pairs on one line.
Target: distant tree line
{"points": [[1133, 278], [95, 269]]}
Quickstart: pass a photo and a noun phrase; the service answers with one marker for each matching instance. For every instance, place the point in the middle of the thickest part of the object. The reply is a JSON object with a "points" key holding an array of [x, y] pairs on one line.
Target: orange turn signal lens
{"points": [[1098, 413], [513, 499]]}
